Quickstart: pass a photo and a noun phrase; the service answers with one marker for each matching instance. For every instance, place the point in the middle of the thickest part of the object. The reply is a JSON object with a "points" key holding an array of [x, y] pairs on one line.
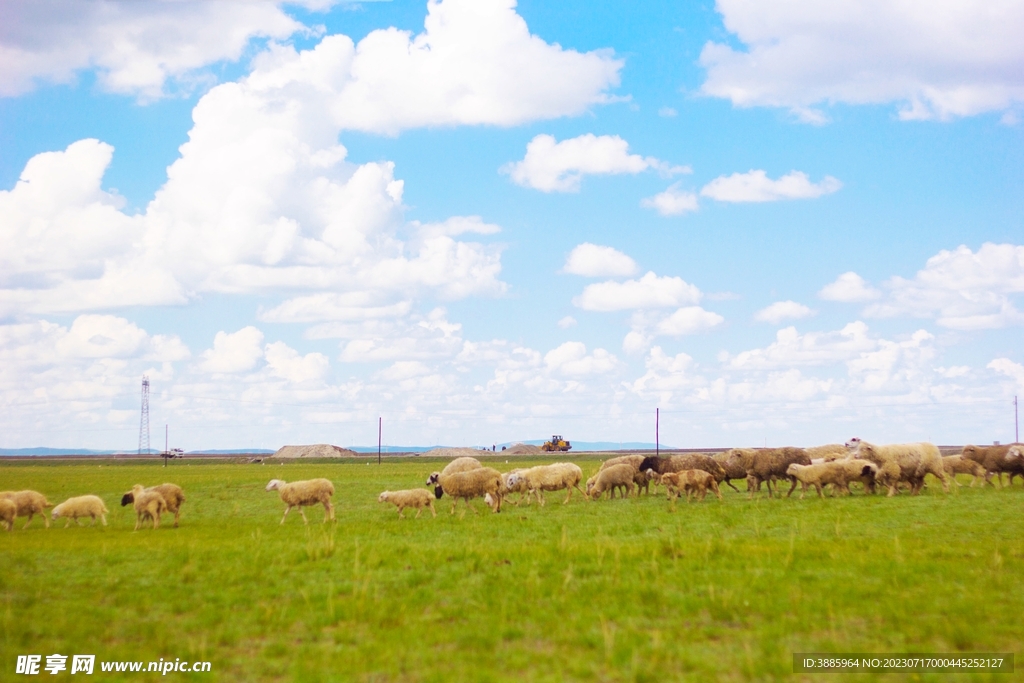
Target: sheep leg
{"points": [[400, 515], [176, 514], [328, 511], [103, 518], [728, 483], [78, 522], [433, 512], [540, 497], [156, 520], [792, 481], [303, 513]]}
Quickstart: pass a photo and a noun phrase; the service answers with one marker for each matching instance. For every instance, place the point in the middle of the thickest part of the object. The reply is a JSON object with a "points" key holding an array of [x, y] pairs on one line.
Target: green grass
{"points": [[617, 590]]}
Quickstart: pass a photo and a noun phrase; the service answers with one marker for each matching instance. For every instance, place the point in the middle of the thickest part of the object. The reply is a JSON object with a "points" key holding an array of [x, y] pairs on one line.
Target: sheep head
{"points": [[383, 497], [853, 443], [127, 499], [652, 462], [793, 469], [434, 479], [274, 485]]}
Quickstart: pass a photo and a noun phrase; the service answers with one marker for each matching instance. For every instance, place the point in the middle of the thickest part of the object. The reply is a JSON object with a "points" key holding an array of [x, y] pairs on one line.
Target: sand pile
{"points": [[320, 450], [455, 453], [522, 449]]}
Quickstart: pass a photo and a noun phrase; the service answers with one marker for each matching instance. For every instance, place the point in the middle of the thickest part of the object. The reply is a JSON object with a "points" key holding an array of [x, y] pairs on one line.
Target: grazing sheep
{"points": [[302, 493], [482, 482], [828, 452], [411, 498], [81, 506], [905, 462], [172, 494], [8, 512], [29, 503], [958, 464], [992, 458], [691, 482], [766, 465], [686, 461], [148, 504], [554, 477], [611, 478], [838, 473]]}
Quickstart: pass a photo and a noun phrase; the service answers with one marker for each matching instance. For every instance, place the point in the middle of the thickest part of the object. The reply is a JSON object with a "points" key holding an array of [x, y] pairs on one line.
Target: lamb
{"points": [[766, 465], [172, 494], [519, 486], [147, 504], [29, 503], [687, 461], [8, 512], [411, 498], [81, 506], [479, 482], [554, 477], [611, 478], [992, 458], [907, 462], [958, 464], [838, 473], [690, 482], [302, 493]]}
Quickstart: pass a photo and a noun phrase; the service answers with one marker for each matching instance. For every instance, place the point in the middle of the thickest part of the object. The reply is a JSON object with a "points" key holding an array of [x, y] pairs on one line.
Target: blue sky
{"points": [[779, 223]]}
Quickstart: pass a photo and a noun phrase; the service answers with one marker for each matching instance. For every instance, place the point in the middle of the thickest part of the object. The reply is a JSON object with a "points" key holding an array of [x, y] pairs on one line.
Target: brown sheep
{"points": [[29, 503], [958, 464], [733, 470], [686, 461], [992, 458], [691, 482], [767, 464]]}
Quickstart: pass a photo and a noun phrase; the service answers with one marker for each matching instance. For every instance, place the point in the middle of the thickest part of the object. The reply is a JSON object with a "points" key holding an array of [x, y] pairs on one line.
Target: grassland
{"points": [[618, 590]]}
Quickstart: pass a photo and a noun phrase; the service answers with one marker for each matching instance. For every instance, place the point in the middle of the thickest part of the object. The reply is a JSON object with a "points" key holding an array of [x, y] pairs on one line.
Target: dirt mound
{"points": [[522, 449], [320, 450], [456, 453]]}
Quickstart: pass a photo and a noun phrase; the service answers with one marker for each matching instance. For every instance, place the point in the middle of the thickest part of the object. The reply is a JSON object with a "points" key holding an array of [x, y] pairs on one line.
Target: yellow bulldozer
{"points": [[557, 443]]}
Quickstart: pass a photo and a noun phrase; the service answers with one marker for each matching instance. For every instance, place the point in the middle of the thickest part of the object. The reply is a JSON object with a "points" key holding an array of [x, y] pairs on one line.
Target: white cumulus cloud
{"points": [[552, 166], [849, 288], [650, 291], [937, 59], [782, 310], [688, 320], [571, 359], [756, 186], [672, 202], [594, 260], [234, 352]]}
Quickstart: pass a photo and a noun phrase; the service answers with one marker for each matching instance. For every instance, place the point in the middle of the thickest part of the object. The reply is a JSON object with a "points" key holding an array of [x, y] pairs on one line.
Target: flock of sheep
{"points": [[693, 475]]}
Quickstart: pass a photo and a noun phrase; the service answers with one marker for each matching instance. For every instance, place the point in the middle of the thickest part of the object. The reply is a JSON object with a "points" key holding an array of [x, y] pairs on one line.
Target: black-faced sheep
{"points": [[481, 482], [81, 506], [29, 503], [148, 505], [609, 479], [172, 494], [304, 493], [686, 461], [554, 477], [766, 465], [904, 462], [837, 473], [8, 512], [410, 498], [958, 464]]}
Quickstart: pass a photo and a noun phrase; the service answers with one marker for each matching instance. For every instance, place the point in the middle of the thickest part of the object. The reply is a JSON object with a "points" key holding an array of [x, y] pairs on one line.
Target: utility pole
{"points": [[144, 421], [166, 445], [380, 426], [657, 432], [1016, 427]]}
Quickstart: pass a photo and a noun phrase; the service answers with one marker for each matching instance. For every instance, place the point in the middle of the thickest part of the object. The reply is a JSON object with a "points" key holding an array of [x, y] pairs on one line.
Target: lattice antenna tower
{"points": [[144, 422]]}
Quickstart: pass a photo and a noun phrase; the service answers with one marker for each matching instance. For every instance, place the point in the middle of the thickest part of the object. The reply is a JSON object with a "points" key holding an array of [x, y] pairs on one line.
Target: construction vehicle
{"points": [[557, 443]]}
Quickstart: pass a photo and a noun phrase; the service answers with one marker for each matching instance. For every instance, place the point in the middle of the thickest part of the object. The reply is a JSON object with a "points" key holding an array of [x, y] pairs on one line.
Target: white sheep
{"points": [[463, 464], [29, 503], [609, 479], [8, 511], [554, 477], [172, 494], [409, 498], [482, 482], [81, 506], [147, 504], [519, 486], [302, 493], [905, 462]]}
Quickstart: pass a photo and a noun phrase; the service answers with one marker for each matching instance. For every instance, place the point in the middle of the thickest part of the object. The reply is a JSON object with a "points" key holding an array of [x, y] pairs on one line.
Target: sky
{"points": [[774, 222]]}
